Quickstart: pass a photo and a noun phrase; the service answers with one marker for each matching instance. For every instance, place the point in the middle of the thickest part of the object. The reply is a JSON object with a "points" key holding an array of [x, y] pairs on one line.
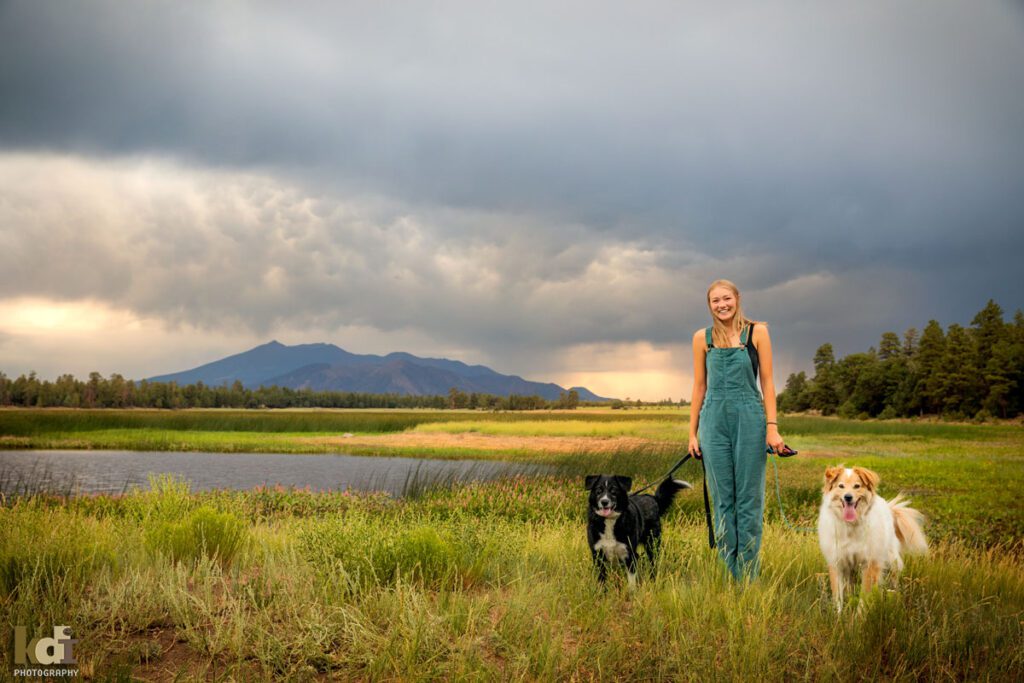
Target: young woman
{"points": [[730, 424]]}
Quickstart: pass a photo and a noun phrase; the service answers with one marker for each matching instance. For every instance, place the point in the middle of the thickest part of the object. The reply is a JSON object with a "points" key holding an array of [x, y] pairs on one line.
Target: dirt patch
{"points": [[488, 442], [166, 658]]}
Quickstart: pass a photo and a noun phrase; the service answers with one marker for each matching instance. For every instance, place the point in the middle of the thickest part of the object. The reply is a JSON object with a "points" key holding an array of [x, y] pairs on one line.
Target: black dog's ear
{"points": [[591, 479], [625, 482]]}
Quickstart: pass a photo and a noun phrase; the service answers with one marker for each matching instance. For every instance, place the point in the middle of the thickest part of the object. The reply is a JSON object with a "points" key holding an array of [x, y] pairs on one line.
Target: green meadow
{"points": [[492, 581]]}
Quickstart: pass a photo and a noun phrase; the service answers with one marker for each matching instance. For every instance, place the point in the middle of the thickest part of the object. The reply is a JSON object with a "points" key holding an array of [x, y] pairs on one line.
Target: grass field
{"points": [[485, 581]]}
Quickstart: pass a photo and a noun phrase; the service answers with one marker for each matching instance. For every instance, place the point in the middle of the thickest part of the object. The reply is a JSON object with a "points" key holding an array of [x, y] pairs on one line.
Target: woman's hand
{"points": [[694, 447], [774, 440]]}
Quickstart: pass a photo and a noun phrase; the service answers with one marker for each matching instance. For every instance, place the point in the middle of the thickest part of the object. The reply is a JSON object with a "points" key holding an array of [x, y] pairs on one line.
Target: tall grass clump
{"points": [[203, 533], [169, 498], [47, 557], [420, 482], [174, 527], [363, 554], [45, 546]]}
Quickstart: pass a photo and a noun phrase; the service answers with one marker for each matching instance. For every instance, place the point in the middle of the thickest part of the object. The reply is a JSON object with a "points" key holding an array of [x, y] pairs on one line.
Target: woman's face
{"points": [[723, 303]]}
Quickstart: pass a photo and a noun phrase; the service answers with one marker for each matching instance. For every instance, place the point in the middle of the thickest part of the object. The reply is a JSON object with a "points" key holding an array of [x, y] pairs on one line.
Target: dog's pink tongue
{"points": [[849, 513], [605, 512]]}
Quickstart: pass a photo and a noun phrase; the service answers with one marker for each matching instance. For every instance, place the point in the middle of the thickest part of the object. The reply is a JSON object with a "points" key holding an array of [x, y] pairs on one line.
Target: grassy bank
{"points": [[476, 582]]}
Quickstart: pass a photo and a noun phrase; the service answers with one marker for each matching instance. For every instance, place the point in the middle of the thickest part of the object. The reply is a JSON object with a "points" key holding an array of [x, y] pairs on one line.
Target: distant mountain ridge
{"points": [[326, 367]]}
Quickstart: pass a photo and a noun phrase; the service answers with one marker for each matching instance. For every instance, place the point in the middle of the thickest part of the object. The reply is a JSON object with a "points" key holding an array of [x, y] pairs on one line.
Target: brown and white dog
{"points": [[859, 531]]}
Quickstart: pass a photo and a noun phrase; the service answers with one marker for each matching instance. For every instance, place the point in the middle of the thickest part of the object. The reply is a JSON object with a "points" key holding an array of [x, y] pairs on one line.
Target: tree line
{"points": [[66, 391], [960, 373]]}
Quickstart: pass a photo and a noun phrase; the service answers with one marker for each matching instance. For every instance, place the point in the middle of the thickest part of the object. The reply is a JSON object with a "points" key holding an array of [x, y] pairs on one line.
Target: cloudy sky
{"points": [[546, 188]]}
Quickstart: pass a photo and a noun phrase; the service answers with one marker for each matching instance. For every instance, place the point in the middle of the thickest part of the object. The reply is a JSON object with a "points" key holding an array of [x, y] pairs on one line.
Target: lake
{"points": [[84, 471]]}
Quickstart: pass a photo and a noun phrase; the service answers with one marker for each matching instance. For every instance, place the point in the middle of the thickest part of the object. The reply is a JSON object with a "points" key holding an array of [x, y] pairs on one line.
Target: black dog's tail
{"points": [[667, 491]]}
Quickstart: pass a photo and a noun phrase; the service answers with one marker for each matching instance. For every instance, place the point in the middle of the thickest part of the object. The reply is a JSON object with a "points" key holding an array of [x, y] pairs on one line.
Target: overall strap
{"points": [[707, 337], [746, 335]]}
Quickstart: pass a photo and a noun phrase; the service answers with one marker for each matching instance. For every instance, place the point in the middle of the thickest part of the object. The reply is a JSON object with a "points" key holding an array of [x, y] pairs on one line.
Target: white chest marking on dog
{"points": [[612, 549]]}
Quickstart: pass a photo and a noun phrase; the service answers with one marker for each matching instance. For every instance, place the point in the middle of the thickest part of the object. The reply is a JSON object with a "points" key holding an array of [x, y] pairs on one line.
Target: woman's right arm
{"points": [[700, 385]]}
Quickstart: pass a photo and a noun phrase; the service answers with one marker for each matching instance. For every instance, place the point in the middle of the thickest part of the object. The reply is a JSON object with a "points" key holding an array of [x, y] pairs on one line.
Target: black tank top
{"points": [[751, 351]]}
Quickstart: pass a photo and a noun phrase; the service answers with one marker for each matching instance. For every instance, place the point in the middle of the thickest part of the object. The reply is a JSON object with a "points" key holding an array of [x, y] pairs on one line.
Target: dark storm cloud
{"points": [[858, 149]]}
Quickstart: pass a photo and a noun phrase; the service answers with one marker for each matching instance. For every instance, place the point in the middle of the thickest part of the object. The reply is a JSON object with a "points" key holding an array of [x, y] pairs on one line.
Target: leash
{"points": [[782, 510], [679, 463], [707, 503]]}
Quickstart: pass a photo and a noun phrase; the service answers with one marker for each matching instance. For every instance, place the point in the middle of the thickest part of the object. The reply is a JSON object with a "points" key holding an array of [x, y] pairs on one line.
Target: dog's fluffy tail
{"points": [[908, 527], [667, 491]]}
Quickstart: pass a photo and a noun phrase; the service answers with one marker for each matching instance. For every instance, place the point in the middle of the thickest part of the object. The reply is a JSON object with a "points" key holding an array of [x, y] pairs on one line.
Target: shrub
{"points": [[419, 554], [203, 533], [983, 416], [888, 413], [847, 410]]}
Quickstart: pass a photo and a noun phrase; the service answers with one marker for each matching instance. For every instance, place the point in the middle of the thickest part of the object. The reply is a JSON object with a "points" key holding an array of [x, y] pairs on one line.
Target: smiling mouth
{"points": [[605, 512]]}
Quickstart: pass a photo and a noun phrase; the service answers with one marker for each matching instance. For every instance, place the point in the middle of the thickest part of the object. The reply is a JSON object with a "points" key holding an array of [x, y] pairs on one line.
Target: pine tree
{"points": [[893, 381], [930, 353], [860, 382], [960, 383], [999, 379], [910, 342], [987, 328], [824, 395], [889, 346], [1015, 401], [795, 397]]}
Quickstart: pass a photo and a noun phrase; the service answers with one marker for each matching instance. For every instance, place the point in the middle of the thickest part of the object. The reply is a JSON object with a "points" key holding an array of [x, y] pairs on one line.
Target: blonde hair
{"points": [[721, 333]]}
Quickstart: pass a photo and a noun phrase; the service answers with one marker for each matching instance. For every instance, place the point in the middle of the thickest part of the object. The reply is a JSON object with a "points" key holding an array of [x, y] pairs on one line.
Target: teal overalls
{"points": [[732, 440]]}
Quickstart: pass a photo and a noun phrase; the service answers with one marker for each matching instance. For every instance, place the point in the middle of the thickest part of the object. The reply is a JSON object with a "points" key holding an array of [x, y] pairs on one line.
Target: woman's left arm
{"points": [[763, 344]]}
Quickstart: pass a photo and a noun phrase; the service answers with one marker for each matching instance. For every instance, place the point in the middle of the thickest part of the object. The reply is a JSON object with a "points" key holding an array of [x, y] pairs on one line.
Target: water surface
{"points": [[82, 471]]}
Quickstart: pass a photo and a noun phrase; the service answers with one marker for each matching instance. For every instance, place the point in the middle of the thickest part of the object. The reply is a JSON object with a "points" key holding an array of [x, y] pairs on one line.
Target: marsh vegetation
{"points": [[492, 580]]}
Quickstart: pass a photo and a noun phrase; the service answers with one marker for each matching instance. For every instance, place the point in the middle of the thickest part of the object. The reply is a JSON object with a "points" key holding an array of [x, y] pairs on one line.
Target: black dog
{"points": [[620, 523]]}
